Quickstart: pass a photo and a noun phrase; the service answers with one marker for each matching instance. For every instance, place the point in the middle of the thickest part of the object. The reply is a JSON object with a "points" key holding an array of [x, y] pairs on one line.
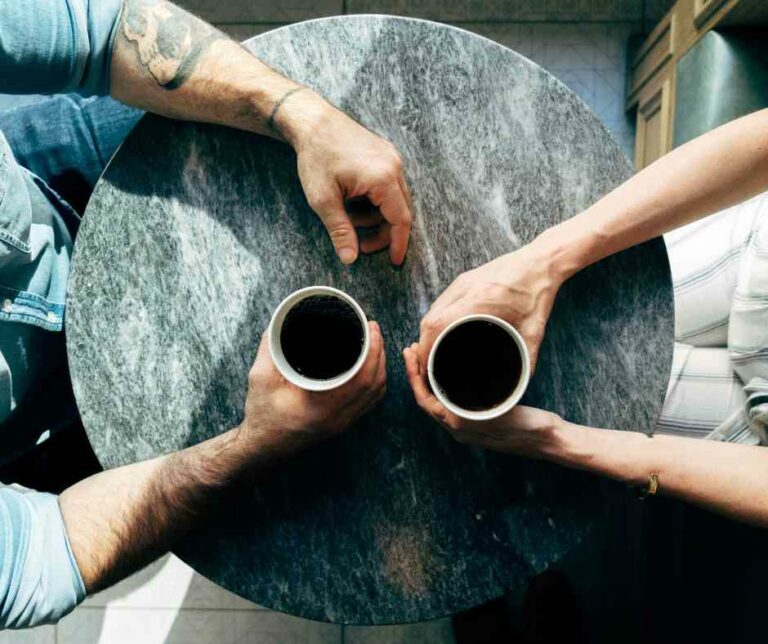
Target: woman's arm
{"points": [[715, 171], [710, 173], [724, 477], [727, 478]]}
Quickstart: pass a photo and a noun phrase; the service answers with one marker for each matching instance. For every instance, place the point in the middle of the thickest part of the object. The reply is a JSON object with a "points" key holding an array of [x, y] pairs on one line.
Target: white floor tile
{"points": [[435, 632], [165, 626], [268, 627], [168, 583], [39, 635]]}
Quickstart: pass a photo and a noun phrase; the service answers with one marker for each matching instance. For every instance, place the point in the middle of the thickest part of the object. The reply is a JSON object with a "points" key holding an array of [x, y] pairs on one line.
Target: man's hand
{"points": [[524, 431], [284, 418], [170, 62], [120, 519], [519, 288], [342, 166]]}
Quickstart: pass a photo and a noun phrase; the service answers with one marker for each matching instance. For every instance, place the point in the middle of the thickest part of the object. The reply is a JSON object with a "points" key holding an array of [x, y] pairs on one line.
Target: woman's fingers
{"points": [[417, 379]]}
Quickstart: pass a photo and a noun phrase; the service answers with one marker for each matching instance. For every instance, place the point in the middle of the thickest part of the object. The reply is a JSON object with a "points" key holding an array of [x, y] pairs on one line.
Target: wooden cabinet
{"points": [[654, 117], [703, 9], [652, 78], [652, 58]]}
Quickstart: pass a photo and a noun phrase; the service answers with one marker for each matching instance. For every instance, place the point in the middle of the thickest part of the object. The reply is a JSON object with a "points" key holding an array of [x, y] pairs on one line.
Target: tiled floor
{"points": [[168, 603]]}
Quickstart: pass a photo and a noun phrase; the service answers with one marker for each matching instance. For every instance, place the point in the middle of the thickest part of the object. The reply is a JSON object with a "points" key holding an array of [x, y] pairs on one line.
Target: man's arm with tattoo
{"points": [[168, 61]]}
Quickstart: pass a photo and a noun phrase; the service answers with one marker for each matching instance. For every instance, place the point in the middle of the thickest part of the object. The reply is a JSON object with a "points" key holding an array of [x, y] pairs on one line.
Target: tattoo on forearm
{"points": [[271, 120], [169, 41]]}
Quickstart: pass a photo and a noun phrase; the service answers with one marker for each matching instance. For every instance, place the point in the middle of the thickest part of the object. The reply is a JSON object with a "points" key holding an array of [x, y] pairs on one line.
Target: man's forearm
{"points": [[170, 62], [726, 478], [710, 173], [121, 519]]}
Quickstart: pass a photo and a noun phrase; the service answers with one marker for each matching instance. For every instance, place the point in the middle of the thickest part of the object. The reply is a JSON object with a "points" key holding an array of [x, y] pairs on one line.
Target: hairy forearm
{"points": [[122, 519], [170, 62], [726, 478], [710, 173]]}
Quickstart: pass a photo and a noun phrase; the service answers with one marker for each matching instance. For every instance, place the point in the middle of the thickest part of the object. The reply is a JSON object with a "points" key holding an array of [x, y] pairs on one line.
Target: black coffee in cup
{"points": [[477, 365], [322, 337]]}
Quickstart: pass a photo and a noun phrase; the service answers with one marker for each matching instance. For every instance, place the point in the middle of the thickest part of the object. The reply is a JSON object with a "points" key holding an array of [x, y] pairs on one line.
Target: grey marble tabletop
{"points": [[195, 233]]}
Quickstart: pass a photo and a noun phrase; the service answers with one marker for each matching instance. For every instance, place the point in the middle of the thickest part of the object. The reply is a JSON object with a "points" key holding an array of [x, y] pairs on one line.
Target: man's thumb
{"points": [[339, 227], [342, 234]]}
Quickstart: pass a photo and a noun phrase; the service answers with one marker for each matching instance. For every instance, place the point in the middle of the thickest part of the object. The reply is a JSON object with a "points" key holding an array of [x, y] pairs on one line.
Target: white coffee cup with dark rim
{"points": [[275, 329], [517, 391]]}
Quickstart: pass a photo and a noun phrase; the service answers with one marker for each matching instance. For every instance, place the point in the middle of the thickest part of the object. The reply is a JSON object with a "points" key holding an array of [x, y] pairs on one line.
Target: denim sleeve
{"points": [[39, 578], [57, 46]]}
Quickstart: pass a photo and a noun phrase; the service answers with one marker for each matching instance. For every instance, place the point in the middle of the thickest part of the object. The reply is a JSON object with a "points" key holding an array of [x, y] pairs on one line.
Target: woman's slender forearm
{"points": [[727, 478], [715, 171]]}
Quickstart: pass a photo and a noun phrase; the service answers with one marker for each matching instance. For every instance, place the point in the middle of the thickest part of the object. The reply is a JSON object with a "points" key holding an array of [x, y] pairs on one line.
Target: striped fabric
{"points": [[719, 383]]}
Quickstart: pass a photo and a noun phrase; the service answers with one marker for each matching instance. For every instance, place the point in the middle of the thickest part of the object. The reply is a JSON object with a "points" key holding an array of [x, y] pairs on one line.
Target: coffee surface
{"points": [[477, 365], [322, 337]]}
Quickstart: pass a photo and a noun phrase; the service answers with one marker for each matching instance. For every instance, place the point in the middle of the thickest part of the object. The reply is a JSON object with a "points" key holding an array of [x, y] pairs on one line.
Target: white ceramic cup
{"points": [[514, 397], [276, 350]]}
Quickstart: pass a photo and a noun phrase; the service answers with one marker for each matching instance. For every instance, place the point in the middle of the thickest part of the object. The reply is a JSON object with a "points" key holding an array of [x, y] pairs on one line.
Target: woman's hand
{"points": [[523, 430], [519, 288]]}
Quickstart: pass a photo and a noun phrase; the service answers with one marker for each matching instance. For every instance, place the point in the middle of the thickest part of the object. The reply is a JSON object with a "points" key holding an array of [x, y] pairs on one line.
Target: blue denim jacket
{"points": [[47, 47], [35, 248]]}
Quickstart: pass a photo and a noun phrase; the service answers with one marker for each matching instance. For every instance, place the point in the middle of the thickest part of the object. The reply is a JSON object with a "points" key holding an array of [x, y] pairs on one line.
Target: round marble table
{"points": [[195, 233]]}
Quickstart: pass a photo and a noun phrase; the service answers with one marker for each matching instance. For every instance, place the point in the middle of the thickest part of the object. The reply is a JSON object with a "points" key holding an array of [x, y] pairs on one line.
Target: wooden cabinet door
{"points": [[654, 116]]}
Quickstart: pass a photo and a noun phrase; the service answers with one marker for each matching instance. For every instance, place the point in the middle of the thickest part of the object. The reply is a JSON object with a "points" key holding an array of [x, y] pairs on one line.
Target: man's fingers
{"points": [[377, 241], [330, 209], [381, 375], [367, 220], [375, 353], [263, 356], [367, 374], [373, 374], [396, 211], [406, 191], [363, 213], [263, 363], [379, 388]]}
